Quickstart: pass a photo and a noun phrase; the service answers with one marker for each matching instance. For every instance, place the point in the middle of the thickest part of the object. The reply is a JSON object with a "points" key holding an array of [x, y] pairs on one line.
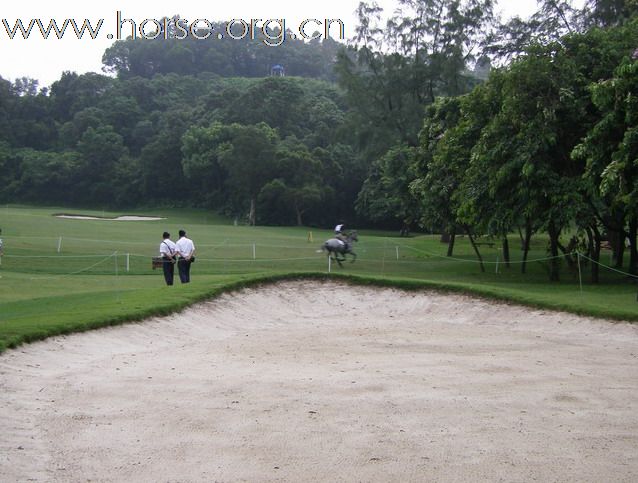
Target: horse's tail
{"points": [[324, 247]]}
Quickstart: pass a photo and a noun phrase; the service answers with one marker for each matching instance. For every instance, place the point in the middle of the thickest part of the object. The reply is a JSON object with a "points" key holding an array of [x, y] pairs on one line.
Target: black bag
{"points": [[157, 262]]}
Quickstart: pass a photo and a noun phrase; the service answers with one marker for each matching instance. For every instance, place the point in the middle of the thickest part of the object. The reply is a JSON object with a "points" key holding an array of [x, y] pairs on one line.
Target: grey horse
{"points": [[338, 250]]}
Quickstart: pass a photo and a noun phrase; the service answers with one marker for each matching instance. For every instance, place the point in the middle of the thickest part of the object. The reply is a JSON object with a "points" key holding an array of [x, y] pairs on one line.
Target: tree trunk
{"points": [[571, 262], [554, 265], [596, 255], [251, 214], [526, 243], [506, 251], [450, 245], [633, 250], [617, 242], [520, 234], [593, 235], [299, 216], [476, 250]]}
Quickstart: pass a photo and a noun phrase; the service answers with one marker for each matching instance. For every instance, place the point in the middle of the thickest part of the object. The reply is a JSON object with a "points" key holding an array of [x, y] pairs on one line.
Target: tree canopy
{"points": [[443, 118]]}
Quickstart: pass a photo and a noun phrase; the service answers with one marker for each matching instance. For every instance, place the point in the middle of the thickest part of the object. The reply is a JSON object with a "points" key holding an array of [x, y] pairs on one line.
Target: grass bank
{"points": [[59, 275]]}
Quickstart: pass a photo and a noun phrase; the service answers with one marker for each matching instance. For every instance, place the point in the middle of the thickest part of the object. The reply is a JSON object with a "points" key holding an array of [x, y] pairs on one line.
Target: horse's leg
{"points": [[354, 256], [334, 256]]}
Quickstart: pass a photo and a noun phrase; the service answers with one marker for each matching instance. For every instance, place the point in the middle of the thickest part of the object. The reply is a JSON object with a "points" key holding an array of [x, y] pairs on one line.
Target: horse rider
{"points": [[340, 234]]}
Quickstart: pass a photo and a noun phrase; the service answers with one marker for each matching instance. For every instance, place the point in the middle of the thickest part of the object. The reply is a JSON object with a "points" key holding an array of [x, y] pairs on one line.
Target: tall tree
{"points": [[102, 149], [423, 52], [385, 195], [245, 154], [435, 180], [298, 186], [611, 150], [248, 157], [605, 13]]}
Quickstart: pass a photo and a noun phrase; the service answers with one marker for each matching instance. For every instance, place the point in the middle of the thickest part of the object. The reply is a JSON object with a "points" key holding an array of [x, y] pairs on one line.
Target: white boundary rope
{"points": [[436, 255], [254, 259], [56, 256], [609, 268], [86, 269]]}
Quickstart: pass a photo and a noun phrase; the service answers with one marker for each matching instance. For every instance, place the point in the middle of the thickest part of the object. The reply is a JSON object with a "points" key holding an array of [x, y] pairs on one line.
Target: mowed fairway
{"points": [[102, 273]]}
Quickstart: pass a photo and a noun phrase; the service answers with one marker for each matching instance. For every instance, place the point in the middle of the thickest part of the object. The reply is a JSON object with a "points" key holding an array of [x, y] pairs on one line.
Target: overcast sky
{"points": [[45, 60]]}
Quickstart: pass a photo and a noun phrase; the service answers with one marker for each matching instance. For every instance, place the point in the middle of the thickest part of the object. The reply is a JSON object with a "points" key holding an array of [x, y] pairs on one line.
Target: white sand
{"points": [[119, 218], [307, 381]]}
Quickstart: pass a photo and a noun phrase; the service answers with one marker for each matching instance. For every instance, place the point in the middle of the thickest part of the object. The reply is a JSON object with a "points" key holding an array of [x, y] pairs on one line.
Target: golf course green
{"points": [[62, 275]]}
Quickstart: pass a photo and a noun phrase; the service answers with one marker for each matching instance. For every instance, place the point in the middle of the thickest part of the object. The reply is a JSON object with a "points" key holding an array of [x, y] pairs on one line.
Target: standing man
{"points": [[168, 252], [186, 250]]}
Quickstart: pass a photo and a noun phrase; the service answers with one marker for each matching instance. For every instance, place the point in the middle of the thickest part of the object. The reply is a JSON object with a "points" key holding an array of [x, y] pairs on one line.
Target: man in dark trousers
{"points": [[168, 252], [186, 250]]}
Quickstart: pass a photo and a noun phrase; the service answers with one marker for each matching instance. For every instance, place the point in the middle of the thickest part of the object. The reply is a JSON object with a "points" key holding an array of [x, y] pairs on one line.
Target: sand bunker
{"points": [[119, 218], [307, 381]]}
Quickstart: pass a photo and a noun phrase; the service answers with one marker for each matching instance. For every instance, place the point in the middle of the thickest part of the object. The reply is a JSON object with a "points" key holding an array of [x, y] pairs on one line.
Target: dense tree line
{"points": [[270, 150], [443, 118], [547, 144]]}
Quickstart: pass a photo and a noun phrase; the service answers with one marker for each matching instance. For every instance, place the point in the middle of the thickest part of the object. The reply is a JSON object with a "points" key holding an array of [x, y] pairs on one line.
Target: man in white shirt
{"points": [[168, 252], [185, 250]]}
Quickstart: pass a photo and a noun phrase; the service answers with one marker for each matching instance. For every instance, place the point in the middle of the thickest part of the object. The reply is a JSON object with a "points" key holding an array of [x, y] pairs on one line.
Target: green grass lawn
{"points": [[102, 273]]}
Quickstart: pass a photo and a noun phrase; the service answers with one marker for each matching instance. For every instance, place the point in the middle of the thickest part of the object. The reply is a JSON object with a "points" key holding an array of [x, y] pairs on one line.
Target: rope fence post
{"points": [[580, 273], [329, 263], [59, 244], [128, 262], [117, 279], [254, 252], [497, 254], [385, 246], [397, 252]]}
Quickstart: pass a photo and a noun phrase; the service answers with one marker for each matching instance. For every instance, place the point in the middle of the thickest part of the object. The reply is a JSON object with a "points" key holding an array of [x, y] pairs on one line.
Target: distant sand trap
{"points": [[310, 381], [119, 218]]}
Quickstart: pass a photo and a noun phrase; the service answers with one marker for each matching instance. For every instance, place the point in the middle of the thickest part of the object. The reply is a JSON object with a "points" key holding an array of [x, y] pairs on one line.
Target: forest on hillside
{"points": [[443, 118]]}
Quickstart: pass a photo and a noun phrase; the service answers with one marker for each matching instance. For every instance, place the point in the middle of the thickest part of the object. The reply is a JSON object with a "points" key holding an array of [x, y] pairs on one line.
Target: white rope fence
{"points": [[436, 255], [251, 257], [83, 270], [283, 259], [612, 269]]}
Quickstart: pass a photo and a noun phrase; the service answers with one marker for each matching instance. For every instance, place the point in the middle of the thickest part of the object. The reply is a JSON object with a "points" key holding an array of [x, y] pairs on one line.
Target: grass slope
{"points": [[102, 274]]}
